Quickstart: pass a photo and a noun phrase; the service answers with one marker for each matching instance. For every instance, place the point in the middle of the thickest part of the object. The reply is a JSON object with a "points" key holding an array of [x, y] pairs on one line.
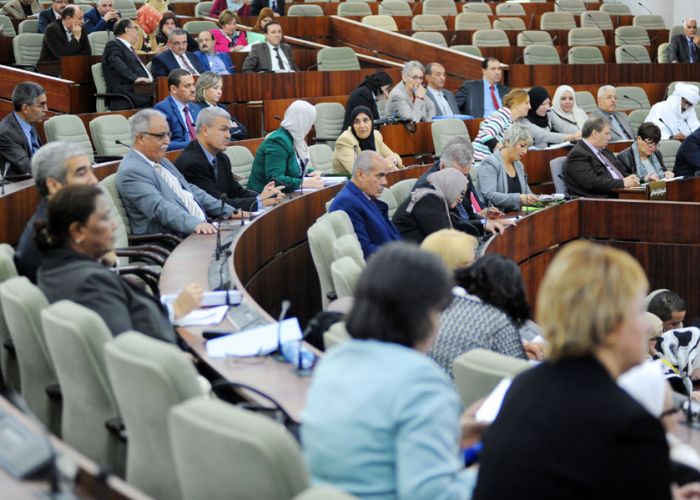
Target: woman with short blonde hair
{"points": [[455, 248], [516, 104], [226, 37]]}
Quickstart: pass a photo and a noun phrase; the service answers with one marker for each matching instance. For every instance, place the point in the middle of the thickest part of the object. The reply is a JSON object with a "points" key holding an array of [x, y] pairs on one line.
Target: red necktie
{"points": [[475, 204], [493, 98], [190, 125]]}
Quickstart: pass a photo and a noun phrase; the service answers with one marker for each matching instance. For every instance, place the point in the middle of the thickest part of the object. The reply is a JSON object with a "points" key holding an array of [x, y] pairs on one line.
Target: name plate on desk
{"points": [[657, 190]]}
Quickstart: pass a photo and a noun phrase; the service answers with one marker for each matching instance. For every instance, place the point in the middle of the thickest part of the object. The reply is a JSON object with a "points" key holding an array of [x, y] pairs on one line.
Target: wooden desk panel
{"points": [[63, 96]]}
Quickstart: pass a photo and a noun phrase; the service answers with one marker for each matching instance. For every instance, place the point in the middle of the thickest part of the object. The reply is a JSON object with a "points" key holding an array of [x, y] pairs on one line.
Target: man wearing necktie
{"points": [[444, 100], [620, 125], [273, 55], [591, 170], [19, 137], [481, 98], [176, 56], [685, 48], [180, 109]]}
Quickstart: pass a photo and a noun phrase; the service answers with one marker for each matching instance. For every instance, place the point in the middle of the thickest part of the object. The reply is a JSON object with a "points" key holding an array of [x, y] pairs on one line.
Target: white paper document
{"points": [[255, 341], [203, 317], [492, 404]]}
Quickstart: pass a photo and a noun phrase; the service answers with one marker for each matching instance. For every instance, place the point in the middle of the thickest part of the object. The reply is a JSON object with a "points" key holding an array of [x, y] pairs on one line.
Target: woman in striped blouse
{"points": [[516, 104]]}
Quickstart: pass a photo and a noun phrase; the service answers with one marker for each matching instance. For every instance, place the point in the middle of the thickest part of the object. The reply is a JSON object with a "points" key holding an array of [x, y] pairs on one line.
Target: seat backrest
{"points": [[534, 37], [347, 9], [345, 272], [428, 22], [675, 30], [541, 54], [98, 77], [68, 128], [445, 130], [616, 9], [585, 101], [585, 55], [468, 49], [321, 237], [631, 35], [381, 22], [587, 36], [22, 304], [479, 7], [668, 149], [121, 231], [194, 28], [649, 22], [75, 337], [662, 53], [321, 158], [202, 9], [637, 117], [430, 37], [8, 29], [107, 129], [509, 24], [349, 246], [149, 377], [28, 26], [596, 19], [336, 58], [472, 21], [241, 162], [440, 7], [335, 335], [509, 9], [98, 40], [402, 190], [8, 359], [388, 198], [305, 10], [395, 8], [490, 38], [556, 167], [27, 48], [126, 8], [557, 21], [573, 6], [329, 120], [479, 371], [632, 54], [632, 98]]}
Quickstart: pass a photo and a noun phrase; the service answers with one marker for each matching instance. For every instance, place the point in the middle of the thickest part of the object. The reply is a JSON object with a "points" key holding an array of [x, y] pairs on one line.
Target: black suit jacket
{"points": [[470, 97], [193, 164], [586, 175], [257, 5], [688, 156], [14, 147], [165, 62], [121, 69], [259, 58], [678, 50], [422, 181], [46, 17], [56, 44], [361, 96], [568, 424]]}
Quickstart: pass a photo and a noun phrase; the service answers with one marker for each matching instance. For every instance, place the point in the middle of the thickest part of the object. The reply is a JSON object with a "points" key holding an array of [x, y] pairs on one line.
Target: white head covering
{"points": [[577, 115], [298, 120], [646, 384], [687, 91]]}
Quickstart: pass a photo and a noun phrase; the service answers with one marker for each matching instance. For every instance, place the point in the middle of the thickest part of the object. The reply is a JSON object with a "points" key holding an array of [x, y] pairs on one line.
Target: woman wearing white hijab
{"points": [[283, 156], [565, 116], [676, 115]]}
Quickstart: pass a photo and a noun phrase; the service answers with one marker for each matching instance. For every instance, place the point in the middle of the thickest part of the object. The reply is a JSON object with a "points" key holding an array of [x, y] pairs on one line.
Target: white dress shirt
{"points": [[273, 57]]}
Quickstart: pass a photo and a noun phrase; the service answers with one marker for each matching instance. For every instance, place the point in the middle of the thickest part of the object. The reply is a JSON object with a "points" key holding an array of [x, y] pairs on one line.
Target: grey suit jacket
{"points": [[152, 207], [624, 122], [449, 96], [493, 183], [259, 58], [14, 9], [678, 50], [13, 147]]}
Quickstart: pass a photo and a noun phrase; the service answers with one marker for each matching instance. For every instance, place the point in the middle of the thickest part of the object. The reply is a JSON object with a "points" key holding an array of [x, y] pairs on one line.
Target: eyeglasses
{"points": [[416, 77], [160, 136], [651, 143]]}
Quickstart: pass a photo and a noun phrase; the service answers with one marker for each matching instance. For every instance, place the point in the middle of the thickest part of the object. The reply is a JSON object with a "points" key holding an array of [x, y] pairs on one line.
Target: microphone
{"points": [[532, 21], [313, 66], [687, 383], [250, 209], [376, 53], [286, 304], [624, 49], [219, 249], [633, 99], [314, 323], [452, 39], [278, 118], [645, 8], [521, 56], [669, 128], [4, 176], [122, 143], [554, 38]]}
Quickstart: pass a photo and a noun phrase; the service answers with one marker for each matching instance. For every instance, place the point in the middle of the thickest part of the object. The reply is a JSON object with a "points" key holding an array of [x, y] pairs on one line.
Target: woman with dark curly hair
{"points": [[372, 89]]}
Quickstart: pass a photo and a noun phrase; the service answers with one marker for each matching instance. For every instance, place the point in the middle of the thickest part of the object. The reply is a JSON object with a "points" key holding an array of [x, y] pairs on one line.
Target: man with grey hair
{"points": [[102, 17], [20, 139], [176, 56], [204, 164], [156, 196], [54, 166], [358, 199], [620, 125], [408, 99], [685, 47]]}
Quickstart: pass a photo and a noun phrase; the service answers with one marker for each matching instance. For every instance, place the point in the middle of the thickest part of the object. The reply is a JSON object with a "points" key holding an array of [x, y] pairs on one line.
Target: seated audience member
{"points": [[643, 157], [226, 37], [679, 348], [502, 179], [538, 121], [55, 165], [668, 306], [148, 18], [241, 8], [620, 125], [359, 198], [372, 89], [204, 164], [516, 104], [487, 310], [276, 7], [123, 69], [455, 248], [156, 197], [444, 100], [380, 432], [169, 22], [283, 156], [219, 63], [656, 328], [685, 48], [176, 57], [65, 37], [257, 35], [20, 139], [20, 9], [271, 56], [361, 136], [180, 109], [208, 90], [688, 156], [77, 234], [102, 17], [407, 99], [676, 116], [591, 169], [566, 117], [482, 98], [570, 408], [47, 16], [429, 208]]}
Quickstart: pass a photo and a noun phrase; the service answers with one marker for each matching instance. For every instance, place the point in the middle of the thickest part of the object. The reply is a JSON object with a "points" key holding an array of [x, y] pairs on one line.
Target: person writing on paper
{"points": [[538, 121], [78, 232], [643, 157], [502, 179], [408, 99], [361, 136], [565, 116], [381, 419], [283, 156], [676, 116]]}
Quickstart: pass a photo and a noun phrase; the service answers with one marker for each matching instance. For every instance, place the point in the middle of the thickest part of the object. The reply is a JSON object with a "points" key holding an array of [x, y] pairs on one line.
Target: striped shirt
{"points": [[491, 128]]}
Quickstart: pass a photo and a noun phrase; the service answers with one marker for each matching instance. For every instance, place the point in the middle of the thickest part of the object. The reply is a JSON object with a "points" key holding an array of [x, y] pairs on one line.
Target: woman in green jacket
{"points": [[283, 156]]}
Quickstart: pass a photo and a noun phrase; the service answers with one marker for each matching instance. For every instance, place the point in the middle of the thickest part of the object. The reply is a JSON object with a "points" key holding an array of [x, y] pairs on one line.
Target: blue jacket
{"points": [[370, 218], [225, 58], [95, 22], [688, 156], [164, 63], [179, 135]]}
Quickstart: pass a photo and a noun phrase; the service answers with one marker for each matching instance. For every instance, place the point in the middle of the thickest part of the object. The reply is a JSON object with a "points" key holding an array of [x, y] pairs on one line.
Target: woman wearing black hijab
{"points": [[360, 136], [538, 122]]}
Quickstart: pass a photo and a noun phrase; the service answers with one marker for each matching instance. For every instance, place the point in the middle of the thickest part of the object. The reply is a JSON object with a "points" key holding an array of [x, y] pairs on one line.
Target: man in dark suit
{"points": [[102, 17], [273, 55], [688, 156], [277, 7], [444, 100], [218, 62], [591, 170], [204, 164], [685, 48], [179, 109], [122, 68], [480, 98], [176, 56], [47, 16], [19, 137], [65, 37], [620, 125]]}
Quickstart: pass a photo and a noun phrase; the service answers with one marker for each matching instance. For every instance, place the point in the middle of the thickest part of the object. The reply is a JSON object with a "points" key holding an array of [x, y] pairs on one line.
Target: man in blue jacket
{"points": [[369, 216], [102, 17], [180, 109]]}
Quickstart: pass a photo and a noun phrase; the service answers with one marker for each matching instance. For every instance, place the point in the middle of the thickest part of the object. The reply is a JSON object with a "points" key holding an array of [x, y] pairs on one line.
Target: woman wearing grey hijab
{"points": [[429, 209]]}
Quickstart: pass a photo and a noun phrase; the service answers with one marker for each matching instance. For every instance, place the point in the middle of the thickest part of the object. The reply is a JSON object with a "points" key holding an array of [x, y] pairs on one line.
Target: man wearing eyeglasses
{"points": [[47, 16], [19, 137], [156, 196], [176, 56]]}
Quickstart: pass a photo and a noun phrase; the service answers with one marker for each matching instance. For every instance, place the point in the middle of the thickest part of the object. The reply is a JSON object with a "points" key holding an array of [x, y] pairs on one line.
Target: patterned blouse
{"points": [[492, 128]]}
